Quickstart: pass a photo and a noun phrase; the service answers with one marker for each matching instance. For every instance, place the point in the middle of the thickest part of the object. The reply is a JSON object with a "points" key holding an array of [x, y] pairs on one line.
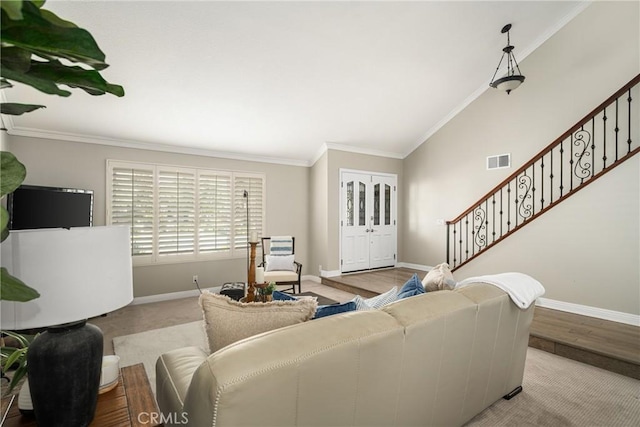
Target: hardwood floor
{"points": [[608, 345]]}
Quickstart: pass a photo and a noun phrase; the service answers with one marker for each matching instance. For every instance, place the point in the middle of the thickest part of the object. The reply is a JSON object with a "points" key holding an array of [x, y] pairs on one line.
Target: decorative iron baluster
{"points": [[486, 222], [571, 165], [593, 146], [533, 189], [604, 139], [501, 213], [542, 182], [466, 240], [525, 183], [516, 200], [629, 134], [561, 168], [460, 241], [581, 170], [473, 234], [551, 178], [479, 237], [493, 215], [509, 206], [617, 129]]}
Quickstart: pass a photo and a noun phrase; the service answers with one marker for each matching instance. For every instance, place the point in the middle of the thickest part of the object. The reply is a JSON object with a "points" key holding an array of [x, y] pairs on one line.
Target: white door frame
{"points": [[389, 254]]}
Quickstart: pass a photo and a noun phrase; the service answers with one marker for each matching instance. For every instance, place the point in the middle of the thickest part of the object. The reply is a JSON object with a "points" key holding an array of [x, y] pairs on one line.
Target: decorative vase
{"points": [[65, 363]]}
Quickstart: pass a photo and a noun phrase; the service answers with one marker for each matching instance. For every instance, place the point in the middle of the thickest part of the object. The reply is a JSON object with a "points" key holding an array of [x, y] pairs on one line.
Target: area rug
{"points": [[557, 391], [146, 347]]}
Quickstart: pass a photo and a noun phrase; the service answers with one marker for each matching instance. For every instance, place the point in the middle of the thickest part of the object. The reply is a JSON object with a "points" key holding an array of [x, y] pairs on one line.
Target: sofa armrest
{"points": [[174, 370]]}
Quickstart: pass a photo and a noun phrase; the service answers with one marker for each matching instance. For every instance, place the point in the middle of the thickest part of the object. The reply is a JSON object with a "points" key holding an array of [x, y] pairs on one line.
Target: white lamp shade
{"points": [[79, 272]]}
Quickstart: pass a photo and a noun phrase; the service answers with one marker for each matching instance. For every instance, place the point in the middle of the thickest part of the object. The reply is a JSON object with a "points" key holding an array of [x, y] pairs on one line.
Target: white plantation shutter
{"points": [[132, 203], [176, 212], [184, 213], [215, 213], [254, 185]]}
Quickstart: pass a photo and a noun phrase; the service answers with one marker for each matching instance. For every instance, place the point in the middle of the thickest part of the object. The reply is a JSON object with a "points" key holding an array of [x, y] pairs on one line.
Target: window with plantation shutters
{"points": [[180, 213], [176, 212], [214, 202], [253, 185], [131, 203]]}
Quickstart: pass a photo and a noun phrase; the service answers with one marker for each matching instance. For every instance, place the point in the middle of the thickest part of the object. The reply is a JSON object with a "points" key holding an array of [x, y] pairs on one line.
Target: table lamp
{"points": [[80, 273]]}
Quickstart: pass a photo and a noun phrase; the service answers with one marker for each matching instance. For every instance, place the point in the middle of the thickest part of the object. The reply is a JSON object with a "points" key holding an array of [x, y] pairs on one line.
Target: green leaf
{"points": [[12, 173], [13, 289], [55, 19], [5, 84], [17, 59], [13, 9], [17, 354], [15, 109], [39, 34], [17, 376], [24, 342], [73, 76], [43, 85], [4, 219]]}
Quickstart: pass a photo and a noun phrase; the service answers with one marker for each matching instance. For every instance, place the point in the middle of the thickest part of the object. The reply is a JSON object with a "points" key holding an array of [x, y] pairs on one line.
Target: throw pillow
{"points": [[328, 310], [227, 321], [280, 263], [439, 278], [376, 302], [411, 288]]}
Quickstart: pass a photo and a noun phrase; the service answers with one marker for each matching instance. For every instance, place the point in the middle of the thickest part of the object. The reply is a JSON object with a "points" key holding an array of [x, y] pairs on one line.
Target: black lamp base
{"points": [[64, 365]]}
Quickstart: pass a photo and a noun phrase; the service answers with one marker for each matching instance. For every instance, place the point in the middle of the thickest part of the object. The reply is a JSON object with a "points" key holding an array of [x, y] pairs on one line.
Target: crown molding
{"points": [[97, 140]]}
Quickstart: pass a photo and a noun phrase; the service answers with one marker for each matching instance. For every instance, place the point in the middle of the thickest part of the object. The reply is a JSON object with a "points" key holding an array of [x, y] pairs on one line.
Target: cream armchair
{"points": [[278, 260]]}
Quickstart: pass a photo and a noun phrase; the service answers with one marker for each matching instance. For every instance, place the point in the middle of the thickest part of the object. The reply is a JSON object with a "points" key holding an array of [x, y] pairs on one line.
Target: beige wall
{"points": [[318, 212], [70, 164], [585, 251]]}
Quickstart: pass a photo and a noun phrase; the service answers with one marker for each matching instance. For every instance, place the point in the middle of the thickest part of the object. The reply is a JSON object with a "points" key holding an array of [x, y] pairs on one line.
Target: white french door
{"points": [[367, 220]]}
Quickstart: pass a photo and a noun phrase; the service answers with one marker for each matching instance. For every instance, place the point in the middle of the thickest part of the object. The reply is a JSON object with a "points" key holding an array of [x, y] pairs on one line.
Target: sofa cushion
{"points": [[439, 278], [328, 310], [280, 263], [227, 321], [280, 276], [411, 288]]}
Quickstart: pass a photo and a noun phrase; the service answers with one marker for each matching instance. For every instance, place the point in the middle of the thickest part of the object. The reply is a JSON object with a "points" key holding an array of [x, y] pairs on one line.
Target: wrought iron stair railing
{"points": [[602, 140]]}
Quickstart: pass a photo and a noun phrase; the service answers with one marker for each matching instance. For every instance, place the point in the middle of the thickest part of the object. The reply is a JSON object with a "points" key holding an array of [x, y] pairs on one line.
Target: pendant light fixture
{"points": [[514, 77]]}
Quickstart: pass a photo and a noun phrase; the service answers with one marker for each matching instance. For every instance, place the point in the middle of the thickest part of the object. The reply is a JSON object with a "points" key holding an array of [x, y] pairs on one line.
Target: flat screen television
{"points": [[32, 206]]}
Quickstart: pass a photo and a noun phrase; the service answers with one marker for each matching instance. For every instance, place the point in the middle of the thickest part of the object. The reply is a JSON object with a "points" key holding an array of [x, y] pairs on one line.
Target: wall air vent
{"points": [[500, 161]]}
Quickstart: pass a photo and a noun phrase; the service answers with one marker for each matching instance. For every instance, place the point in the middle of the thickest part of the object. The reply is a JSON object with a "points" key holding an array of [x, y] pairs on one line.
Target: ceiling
{"points": [[283, 81]]}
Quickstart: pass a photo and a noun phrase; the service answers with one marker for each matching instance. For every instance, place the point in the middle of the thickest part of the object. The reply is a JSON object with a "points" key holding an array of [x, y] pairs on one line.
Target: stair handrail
{"points": [[549, 147]]}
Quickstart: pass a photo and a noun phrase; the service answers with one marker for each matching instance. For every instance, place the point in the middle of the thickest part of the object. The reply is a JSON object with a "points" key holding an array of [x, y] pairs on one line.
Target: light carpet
{"points": [[556, 391], [146, 347]]}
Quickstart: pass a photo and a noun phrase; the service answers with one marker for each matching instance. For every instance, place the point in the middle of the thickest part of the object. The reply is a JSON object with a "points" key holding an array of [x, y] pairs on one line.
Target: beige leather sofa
{"points": [[435, 359]]}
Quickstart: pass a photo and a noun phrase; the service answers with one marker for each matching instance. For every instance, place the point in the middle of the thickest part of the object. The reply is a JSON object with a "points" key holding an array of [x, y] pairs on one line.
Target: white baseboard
{"points": [[414, 266], [585, 310], [172, 295], [330, 273]]}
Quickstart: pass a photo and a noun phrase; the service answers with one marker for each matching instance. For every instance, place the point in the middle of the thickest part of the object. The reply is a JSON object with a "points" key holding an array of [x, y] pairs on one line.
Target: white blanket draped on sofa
{"points": [[522, 289]]}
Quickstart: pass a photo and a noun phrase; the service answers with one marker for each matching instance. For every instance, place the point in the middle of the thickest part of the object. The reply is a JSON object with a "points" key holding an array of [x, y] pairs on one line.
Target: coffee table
{"points": [[130, 404]]}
